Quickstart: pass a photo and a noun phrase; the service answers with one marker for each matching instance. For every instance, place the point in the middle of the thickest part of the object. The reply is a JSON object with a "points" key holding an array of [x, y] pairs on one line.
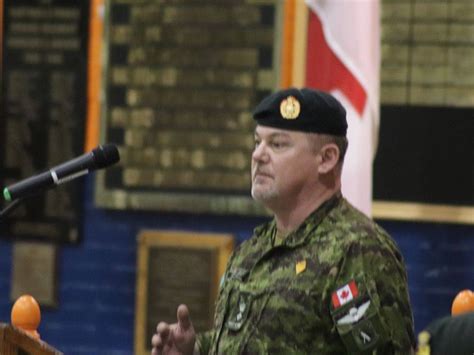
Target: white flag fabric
{"points": [[343, 57]]}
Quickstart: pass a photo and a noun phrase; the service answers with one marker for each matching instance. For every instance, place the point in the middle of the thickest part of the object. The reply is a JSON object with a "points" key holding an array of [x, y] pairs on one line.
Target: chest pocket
{"points": [[240, 310], [245, 305]]}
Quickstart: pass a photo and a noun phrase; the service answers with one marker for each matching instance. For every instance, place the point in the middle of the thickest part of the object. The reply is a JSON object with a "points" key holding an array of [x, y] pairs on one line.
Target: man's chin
{"points": [[263, 196]]}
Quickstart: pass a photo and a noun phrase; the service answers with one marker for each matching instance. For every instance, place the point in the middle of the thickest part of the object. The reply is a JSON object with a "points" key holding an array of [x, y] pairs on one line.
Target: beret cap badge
{"points": [[290, 108]]}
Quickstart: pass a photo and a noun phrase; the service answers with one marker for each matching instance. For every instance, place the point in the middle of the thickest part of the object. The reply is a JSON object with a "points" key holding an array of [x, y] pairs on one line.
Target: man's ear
{"points": [[328, 158]]}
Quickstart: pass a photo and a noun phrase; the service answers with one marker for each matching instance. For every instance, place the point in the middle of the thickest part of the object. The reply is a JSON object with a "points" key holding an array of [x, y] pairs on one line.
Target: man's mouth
{"points": [[261, 174]]}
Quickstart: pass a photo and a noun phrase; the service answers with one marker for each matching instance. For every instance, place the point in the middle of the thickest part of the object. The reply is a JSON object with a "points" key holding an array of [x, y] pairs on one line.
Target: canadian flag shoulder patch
{"points": [[344, 294]]}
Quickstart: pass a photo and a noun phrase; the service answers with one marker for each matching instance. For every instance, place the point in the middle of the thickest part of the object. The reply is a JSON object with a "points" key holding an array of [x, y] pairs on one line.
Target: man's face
{"points": [[283, 165]]}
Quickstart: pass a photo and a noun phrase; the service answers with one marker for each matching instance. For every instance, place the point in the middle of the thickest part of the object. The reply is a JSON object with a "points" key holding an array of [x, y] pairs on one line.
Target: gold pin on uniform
{"points": [[300, 266]]}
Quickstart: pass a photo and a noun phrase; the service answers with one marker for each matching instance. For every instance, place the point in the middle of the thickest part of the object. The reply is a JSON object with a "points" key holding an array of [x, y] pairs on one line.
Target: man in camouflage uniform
{"points": [[321, 277]]}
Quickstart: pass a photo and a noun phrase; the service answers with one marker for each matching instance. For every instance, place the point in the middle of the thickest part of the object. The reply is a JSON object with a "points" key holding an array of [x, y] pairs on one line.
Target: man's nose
{"points": [[260, 153]]}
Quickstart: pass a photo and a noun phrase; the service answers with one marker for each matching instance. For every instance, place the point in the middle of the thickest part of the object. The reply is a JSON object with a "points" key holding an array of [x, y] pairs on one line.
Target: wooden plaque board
{"points": [[43, 65], [35, 272], [174, 268]]}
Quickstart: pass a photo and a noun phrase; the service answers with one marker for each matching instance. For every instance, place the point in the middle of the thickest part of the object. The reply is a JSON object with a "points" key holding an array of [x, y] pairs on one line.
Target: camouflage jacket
{"points": [[335, 285]]}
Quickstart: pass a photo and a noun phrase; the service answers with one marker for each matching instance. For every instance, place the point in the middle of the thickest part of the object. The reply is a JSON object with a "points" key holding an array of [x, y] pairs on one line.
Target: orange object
{"points": [[463, 302], [26, 315]]}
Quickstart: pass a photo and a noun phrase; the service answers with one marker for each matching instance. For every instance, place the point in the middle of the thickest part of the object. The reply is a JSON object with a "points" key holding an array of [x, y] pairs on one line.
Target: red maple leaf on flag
{"points": [[344, 294]]}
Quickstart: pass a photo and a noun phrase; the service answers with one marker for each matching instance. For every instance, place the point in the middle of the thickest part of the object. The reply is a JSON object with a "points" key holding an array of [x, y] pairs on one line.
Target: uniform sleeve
{"points": [[204, 341], [370, 304]]}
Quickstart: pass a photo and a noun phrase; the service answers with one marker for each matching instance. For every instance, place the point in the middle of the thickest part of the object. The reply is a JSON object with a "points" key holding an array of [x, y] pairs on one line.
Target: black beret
{"points": [[306, 110]]}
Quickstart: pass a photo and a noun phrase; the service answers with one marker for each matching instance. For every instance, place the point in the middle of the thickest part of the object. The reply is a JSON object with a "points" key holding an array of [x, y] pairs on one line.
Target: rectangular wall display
{"points": [[424, 167], [177, 268], [35, 272], [180, 81], [42, 110]]}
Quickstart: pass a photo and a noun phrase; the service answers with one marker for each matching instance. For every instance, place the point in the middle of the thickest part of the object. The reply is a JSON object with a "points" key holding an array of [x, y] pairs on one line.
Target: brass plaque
{"points": [[177, 268], [179, 89], [35, 272]]}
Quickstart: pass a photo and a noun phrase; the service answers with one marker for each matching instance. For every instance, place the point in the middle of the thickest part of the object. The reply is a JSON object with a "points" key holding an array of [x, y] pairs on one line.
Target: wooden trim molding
{"points": [[423, 212]]}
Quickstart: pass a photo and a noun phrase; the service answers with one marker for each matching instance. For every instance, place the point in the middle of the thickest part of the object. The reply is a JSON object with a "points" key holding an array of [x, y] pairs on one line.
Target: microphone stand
{"points": [[7, 210]]}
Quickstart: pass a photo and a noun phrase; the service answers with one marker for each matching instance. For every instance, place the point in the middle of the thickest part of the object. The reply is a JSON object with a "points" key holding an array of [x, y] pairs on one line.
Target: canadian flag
{"points": [[345, 294], [343, 57]]}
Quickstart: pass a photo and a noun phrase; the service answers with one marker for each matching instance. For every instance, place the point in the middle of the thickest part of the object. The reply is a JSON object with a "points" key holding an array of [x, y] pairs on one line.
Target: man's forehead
{"points": [[270, 131]]}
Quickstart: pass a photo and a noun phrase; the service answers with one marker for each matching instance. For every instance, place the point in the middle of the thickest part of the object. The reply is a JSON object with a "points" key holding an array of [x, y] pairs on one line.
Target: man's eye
{"points": [[257, 143], [278, 145]]}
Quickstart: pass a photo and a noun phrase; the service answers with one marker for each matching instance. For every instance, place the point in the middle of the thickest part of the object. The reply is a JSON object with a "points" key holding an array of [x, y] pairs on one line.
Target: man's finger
{"points": [[156, 341], [184, 322], [157, 345], [156, 351], [163, 330]]}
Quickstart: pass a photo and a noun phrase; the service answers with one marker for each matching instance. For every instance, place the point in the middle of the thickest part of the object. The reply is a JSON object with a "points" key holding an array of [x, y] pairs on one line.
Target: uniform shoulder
{"points": [[349, 218], [355, 229]]}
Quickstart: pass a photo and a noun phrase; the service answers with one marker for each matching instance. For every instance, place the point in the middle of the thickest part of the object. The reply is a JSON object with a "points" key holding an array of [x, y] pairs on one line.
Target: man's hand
{"points": [[177, 338]]}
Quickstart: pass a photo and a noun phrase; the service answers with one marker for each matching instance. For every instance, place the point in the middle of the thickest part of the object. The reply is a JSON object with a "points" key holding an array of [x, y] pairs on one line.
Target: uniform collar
{"points": [[303, 232]]}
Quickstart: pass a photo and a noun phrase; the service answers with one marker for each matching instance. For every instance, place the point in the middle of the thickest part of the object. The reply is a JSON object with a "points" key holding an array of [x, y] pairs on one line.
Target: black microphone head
{"points": [[105, 155]]}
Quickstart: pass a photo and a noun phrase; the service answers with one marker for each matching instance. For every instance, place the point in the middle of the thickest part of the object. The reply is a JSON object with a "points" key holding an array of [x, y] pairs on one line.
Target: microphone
{"points": [[100, 157]]}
